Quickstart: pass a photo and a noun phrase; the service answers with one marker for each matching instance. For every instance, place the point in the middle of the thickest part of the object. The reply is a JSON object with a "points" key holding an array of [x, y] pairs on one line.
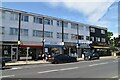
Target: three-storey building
{"points": [[60, 35]]}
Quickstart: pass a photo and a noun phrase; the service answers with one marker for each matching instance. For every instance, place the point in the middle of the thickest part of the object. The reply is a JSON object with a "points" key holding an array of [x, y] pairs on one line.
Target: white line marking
{"points": [[58, 70], [103, 63], [98, 64], [47, 71], [7, 76], [93, 65], [16, 68], [115, 61], [115, 76], [68, 68]]}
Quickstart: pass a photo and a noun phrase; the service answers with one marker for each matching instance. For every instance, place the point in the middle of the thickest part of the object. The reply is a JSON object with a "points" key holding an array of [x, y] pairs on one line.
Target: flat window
{"points": [[48, 34], [97, 39], [14, 31], [92, 30], [103, 39], [87, 28], [65, 35], [87, 38], [59, 23], [65, 24], [74, 26], [59, 35], [24, 32], [2, 30], [25, 18], [102, 31], [92, 39], [37, 33], [73, 36], [48, 21], [3, 14], [81, 37], [81, 27], [37, 20], [14, 16]]}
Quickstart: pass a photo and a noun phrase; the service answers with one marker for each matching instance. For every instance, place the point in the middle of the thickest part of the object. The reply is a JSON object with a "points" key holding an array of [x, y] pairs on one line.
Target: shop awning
{"points": [[101, 47], [31, 46], [54, 46]]}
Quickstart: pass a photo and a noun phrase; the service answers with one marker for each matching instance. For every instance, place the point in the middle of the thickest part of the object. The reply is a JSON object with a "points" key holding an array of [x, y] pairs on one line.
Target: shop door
{"points": [[14, 53]]}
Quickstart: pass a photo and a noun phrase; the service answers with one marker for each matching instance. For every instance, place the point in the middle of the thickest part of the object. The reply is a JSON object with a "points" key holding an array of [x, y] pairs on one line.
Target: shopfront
{"points": [[83, 48], [53, 49], [70, 49], [10, 50], [102, 48], [34, 52]]}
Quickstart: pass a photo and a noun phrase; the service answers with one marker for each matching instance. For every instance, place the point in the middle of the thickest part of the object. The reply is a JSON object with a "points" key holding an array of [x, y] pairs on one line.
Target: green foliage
{"points": [[111, 41]]}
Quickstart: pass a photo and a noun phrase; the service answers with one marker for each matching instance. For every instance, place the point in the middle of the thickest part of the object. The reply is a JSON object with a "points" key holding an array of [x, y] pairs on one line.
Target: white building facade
{"points": [[76, 35]]}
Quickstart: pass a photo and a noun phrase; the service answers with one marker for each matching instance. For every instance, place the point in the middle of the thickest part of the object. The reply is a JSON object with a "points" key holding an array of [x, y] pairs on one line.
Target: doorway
{"points": [[14, 53]]}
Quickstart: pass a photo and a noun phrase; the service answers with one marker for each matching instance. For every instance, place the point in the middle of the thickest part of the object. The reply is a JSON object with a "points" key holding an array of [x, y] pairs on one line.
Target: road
{"points": [[103, 68]]}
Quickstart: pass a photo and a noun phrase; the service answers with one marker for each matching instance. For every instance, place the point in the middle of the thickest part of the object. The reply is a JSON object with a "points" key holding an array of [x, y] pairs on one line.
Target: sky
{"points": [[102, 13]]}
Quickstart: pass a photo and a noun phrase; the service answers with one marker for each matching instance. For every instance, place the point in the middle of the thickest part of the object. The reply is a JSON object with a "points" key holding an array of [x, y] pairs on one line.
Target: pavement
{"points": [[82, 70], [17, 63]]}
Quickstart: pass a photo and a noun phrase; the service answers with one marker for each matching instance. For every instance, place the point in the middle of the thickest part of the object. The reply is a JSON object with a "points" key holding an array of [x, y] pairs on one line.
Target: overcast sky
{"points": [[95, 12]]}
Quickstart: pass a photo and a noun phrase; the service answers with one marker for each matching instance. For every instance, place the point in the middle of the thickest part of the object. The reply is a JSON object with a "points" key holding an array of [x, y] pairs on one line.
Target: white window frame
{"points": [[92, 30]]}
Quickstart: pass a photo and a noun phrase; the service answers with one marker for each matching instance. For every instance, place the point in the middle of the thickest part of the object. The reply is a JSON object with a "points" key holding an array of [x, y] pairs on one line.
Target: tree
{"points": [[110, 40]]}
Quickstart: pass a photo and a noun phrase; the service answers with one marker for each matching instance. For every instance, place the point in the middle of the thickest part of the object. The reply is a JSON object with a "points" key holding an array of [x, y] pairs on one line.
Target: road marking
{"points": [[115, 76], [47, 71], [68, 68], [93, 65], [58, 70], [115, 61], [7, 76], [104, 63], [16, 68], [98, 64]]}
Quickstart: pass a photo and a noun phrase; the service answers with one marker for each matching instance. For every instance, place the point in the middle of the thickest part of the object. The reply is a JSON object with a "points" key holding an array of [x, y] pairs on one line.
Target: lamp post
{"points": [[19, 25], [43, 41], [62, 37], [77, 46]]}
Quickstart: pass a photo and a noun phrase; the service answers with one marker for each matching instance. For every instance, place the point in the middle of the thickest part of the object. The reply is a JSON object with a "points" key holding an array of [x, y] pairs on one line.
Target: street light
{"points": [[62, 37], [43, 41], [77, 46], [19, 25]]}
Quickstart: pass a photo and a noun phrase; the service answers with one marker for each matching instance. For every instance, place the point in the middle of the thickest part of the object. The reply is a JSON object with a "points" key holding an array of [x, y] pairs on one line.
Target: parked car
{"points": [[91, 56], [62, 58]]}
